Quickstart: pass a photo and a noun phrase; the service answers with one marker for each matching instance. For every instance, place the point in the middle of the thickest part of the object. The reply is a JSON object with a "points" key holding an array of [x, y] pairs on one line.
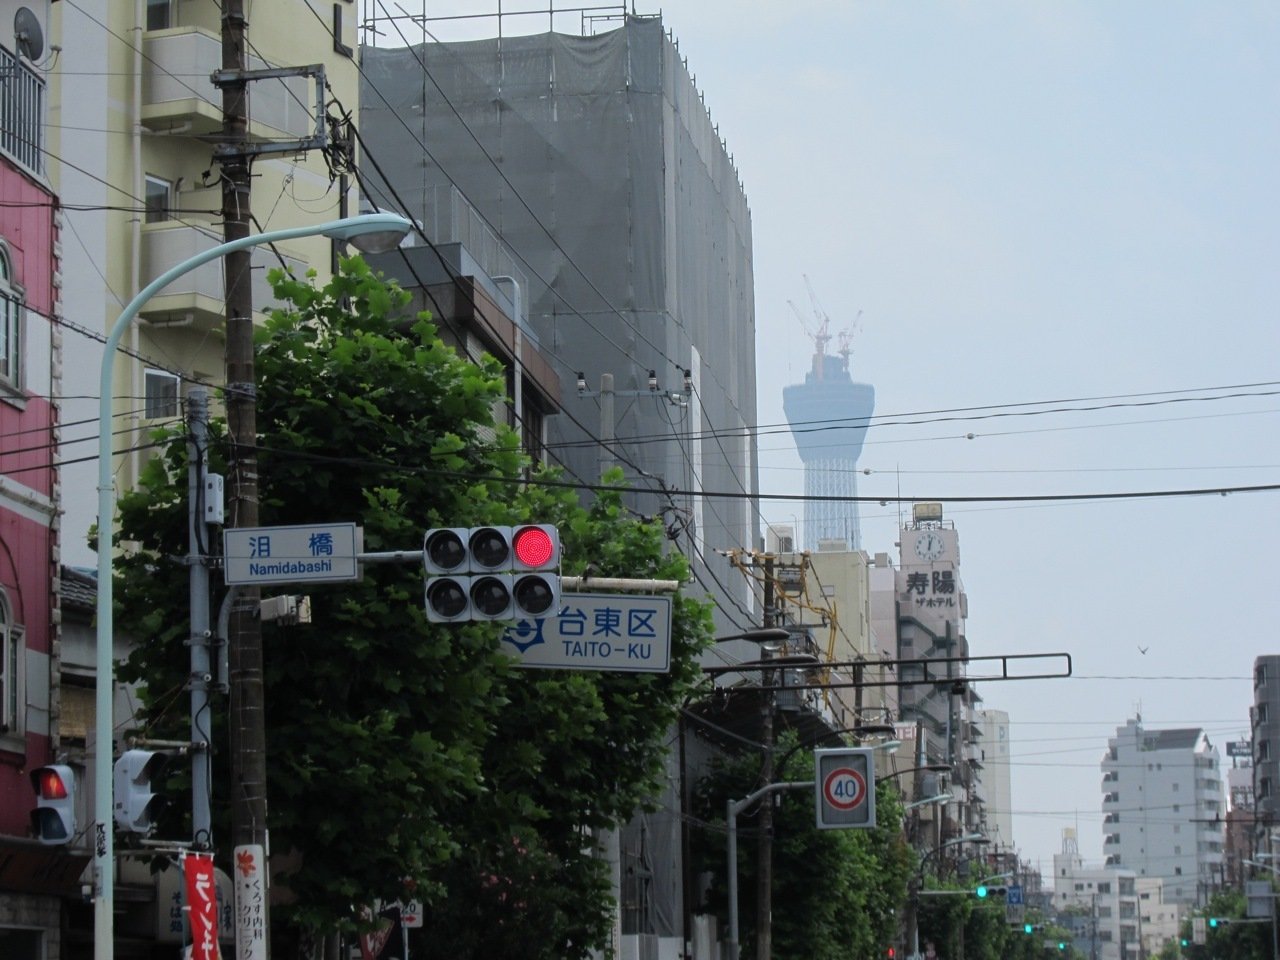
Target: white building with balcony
{"points": [[1164, 806], [134, 122]]}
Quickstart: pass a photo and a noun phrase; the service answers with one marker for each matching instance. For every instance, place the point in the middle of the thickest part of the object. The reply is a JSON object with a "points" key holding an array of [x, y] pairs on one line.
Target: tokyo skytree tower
{"points": [[828, 414]]}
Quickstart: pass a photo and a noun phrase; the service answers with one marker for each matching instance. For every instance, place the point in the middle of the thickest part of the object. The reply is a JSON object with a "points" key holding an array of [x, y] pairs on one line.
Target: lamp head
{"points": [[370, 232]]}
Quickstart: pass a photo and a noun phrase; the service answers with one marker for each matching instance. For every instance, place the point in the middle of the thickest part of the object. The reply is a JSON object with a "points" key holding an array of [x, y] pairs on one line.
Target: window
{"points": [[10, 648], [159, 14], [158, 199], [161, 395], [10, 324]]}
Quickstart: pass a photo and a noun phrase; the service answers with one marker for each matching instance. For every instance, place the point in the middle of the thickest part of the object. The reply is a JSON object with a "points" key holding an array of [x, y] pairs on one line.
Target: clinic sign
{"points": [[845, 788], [596, 631], [307, 553]]}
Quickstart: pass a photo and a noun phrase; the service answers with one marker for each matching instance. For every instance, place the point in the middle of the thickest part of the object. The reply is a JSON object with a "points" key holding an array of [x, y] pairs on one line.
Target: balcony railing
{"points": [[21, 112]]}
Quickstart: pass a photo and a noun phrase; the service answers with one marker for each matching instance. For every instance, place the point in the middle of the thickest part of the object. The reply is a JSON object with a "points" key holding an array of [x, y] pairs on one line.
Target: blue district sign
{"points": [[596, 631]]}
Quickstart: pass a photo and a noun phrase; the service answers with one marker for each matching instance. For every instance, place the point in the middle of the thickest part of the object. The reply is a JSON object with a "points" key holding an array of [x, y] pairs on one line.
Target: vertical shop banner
{"points": [[202, 903], [251, 902]]}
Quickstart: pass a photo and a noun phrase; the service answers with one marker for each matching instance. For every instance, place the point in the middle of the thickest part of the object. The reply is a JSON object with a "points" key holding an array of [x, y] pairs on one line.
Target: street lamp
{"points": [[914, 898], [379, 232]]}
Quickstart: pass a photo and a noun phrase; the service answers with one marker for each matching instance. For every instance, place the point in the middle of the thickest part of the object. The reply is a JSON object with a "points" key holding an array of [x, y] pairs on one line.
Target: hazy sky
{"points": [[1033, 202]]}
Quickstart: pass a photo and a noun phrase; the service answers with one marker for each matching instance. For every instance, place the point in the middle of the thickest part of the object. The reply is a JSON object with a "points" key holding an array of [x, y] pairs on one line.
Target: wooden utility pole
{"points": [[247, 722], [764, 848]]}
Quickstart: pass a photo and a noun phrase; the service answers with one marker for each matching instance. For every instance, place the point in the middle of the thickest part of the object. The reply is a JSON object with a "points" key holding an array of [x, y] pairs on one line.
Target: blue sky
{"points": [[1034, 201]]}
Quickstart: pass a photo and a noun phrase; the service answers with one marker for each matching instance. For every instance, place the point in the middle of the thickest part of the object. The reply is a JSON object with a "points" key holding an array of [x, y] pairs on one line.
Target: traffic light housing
{"points": [[136, 802], [983, 891], [54, 818], [491, 572]]}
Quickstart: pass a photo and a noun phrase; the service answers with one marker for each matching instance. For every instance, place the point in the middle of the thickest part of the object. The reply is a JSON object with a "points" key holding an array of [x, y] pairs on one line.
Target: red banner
{"points": [[202, 902]]}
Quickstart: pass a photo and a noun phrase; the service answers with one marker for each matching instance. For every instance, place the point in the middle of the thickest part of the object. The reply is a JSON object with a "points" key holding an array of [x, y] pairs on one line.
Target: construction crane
{"points": [[821, 334], [820, 337]]}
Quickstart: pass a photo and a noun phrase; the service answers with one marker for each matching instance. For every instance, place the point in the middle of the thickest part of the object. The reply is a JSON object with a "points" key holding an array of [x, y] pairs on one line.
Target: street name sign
{"points": [[596, 631], [844, 788], [307, 553]]}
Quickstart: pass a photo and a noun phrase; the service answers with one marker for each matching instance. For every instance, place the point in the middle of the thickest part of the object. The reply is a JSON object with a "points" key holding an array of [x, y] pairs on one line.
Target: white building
{"points": [[1100, 904], [1158, 920], [994, 747], [1163, 805]]}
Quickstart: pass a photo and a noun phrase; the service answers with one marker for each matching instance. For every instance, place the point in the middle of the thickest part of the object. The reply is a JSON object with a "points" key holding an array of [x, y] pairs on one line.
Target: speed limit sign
{"points": [[844, 788]]}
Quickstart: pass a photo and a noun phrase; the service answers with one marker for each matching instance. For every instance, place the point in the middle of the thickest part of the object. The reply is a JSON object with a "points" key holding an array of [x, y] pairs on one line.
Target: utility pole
{"points": [[247, 721], [764, 855], [198, 576]]}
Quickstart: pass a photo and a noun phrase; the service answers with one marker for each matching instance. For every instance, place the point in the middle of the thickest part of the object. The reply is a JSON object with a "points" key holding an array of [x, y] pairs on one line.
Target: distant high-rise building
{"points": [[993, 775], [828, 414], [1265, 719], [1163, 803]]}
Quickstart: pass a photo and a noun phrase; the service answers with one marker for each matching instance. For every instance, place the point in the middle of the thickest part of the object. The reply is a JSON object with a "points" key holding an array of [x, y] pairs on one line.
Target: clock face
{"points": [[930, 545]]}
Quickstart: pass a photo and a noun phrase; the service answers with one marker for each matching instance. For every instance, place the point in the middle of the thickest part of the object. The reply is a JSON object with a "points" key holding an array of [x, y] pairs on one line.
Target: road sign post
{"points": [[845, 788]]}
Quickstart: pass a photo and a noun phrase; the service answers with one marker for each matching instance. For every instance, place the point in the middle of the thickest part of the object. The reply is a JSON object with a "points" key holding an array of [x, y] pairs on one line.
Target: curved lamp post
{"points": [[374, 232], [913, 901]]}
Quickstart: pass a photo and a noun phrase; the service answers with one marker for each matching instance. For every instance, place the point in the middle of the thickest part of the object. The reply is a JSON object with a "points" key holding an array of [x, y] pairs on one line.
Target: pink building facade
{"points": [[35, 879]]}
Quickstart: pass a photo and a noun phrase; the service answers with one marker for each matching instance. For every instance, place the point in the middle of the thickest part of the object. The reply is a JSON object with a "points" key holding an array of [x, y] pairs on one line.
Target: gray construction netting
{"points": [[595, 160]]}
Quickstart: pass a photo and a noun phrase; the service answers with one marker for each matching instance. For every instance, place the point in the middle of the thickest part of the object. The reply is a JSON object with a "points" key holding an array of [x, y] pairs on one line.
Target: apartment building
{"points": [[135, 123], [1163, 807]]}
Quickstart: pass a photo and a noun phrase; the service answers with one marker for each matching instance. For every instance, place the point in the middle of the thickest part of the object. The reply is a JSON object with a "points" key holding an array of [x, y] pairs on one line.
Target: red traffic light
{"points": [[891, 953], [50, 785], [533, 546]]}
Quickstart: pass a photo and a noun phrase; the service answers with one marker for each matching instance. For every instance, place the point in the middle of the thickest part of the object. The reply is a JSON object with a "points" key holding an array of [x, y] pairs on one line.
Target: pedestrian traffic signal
{"points": [[491, 573], [136, 801], [54, 818]]}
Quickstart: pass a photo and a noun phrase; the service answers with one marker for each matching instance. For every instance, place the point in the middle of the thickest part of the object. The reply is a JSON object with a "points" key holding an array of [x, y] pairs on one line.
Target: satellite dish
{"points": [[27, 34]]}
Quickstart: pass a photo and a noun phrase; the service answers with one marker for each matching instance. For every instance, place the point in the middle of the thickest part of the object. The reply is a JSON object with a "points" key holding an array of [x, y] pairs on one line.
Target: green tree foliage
{"points": [[835, 892], [1237, 939], [407, 758]]}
